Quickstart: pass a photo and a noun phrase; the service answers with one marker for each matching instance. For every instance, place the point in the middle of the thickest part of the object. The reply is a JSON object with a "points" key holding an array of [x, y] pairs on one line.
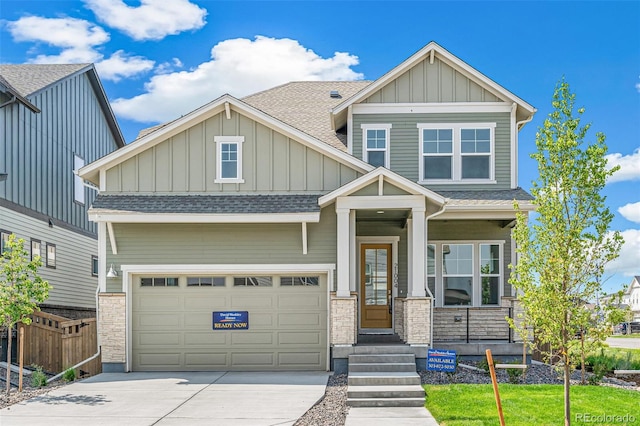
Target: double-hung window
{"points": [[375, 144], [466, 273], [4, 238], [36, 248], [229, 159], [457, 152]]}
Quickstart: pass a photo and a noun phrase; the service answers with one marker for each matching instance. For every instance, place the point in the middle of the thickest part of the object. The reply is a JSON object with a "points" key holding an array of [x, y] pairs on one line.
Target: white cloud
{"points": [[629, 166], [238, 67], [628, 263], [119, 65], [79, 41], [152, 20], [631, 212]]}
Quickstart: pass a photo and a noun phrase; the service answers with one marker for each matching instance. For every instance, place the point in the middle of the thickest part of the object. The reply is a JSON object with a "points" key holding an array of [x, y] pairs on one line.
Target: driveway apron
{"points": [[191, 398]]}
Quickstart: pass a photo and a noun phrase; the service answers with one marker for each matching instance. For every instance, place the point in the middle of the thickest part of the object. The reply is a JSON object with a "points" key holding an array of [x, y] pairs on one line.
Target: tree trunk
{"points": [[582, 358], [567, 384], [9, 329]]}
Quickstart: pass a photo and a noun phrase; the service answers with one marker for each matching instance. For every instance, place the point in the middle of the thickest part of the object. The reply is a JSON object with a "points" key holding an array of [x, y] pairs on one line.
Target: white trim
{"points": [[129, 270], [342, 252], [92, 171], [430, 108], [393, 240], [489, 213], [112, 238], [97, 215], [373, 202], [352, 251], [349, 130], [387, 147], [449, 59], [456, 167], [389, 176], [102, 257], [229, 140], [304, 237], [514, 146]]}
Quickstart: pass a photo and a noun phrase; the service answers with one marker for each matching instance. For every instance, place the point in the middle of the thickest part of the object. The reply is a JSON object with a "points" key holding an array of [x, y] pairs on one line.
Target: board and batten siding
{"points": [[426, 82], [405, 143], [151, 244], [186, 163], [38, 149], [475, 230], [71, 280]]}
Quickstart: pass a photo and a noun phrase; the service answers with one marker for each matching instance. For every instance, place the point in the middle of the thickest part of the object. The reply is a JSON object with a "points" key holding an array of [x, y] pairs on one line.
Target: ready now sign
{"points": [[231, 320]]}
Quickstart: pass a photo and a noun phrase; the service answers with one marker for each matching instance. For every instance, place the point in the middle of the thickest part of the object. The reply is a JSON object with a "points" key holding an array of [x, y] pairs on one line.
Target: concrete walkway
{"points": [[199, 398], [385, 416]]}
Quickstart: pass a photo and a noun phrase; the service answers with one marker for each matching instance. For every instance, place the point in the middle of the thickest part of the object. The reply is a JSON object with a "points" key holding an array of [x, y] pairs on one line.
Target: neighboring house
{"points": [[53, 120], [631, 298], [332, 213]]}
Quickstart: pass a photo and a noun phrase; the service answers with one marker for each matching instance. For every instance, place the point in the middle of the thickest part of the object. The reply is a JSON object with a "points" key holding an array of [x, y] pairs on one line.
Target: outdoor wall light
{"points": [[112, 272], [457, 318]]}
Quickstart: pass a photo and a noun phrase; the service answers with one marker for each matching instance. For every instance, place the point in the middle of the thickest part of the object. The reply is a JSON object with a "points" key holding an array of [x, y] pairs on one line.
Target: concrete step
{"points": [[380, 358], [383, 378], [386, 402], [382, 367], [413, 391], [382, 349]]}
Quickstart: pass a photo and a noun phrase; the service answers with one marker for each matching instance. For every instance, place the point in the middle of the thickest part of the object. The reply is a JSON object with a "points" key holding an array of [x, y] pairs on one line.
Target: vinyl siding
{"points": [[405, 143], [437, 82], [186, 163], [73, 284], [142, 244], [37, 150]]}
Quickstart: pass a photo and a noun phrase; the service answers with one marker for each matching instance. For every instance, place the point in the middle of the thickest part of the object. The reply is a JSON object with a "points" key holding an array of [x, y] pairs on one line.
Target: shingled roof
{"points": [[209, 204], [28, 79], [494, 197]]}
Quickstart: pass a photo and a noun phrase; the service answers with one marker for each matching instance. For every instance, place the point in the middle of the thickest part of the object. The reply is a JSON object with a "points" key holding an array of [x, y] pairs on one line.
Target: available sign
{"points": [[231, 320], [441, 360]]}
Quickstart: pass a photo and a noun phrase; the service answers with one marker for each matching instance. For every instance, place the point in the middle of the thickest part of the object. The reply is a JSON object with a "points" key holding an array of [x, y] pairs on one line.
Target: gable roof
{"points": [[430, 50], [91, 171], [6, 87], [306, 105], [30, 79]]}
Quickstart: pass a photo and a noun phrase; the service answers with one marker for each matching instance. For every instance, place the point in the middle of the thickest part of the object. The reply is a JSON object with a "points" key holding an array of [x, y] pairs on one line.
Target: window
{"points": [[159, 282], [78, 184], [4, 237], [253, 281], [205, 281], [375, 144], [300, 281], [51, 255], [229, 159], [465, 273], [94, 266], [457, 152], [36, 248]]}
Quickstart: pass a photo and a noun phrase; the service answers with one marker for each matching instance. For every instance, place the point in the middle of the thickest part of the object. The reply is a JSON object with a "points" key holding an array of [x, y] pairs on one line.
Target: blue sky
{"points": [[159, 59]]}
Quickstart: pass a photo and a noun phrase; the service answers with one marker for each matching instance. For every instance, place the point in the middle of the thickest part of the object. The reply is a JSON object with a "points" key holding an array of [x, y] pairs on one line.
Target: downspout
{"points": [[433, 303]]}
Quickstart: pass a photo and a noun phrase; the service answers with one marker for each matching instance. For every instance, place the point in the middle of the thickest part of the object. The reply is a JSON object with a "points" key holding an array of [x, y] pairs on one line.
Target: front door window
{"points": [[375, 286]]}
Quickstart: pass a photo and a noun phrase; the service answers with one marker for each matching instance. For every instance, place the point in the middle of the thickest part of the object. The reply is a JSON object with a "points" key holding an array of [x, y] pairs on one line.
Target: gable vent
{"points": [[334, 94]]}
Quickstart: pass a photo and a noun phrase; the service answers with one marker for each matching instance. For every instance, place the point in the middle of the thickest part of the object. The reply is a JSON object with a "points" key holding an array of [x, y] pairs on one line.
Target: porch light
{"points": [[380, 212], [112, 272]]}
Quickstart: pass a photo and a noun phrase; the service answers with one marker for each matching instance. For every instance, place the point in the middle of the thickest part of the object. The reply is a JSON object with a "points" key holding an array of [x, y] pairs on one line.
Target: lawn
{"points": [[474, 405]]}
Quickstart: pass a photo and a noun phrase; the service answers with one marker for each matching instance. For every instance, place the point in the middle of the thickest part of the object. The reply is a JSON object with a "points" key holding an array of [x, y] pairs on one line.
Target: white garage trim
{"points": [[128, 271]]}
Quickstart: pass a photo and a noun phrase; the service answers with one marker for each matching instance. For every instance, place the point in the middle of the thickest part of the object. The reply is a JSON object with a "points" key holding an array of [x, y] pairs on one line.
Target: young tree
{"points": [[562, 255], [21, 289]]}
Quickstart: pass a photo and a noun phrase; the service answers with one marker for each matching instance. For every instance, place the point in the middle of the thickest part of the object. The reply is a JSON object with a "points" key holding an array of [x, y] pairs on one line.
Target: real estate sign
{"points": [[231, 320], [441, 360]]}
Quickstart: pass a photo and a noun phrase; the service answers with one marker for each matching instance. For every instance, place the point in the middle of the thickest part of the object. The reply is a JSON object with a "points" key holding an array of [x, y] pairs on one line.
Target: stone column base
{"points": [[343, 318], [417, 320], [112, 322]]}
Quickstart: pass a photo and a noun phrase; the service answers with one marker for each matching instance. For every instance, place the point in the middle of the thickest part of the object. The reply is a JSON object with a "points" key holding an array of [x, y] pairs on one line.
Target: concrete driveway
{"points": [[192, 398]]}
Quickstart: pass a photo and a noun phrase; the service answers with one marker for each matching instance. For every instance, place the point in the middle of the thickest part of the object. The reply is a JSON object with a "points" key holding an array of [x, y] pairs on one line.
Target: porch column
{"points": [[418, 241], [352, 251], [343, 255]]}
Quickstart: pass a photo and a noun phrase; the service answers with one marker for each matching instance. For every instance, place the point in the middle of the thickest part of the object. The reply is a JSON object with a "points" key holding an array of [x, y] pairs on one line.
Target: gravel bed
{"points": [[28, 391], [332, 409]]}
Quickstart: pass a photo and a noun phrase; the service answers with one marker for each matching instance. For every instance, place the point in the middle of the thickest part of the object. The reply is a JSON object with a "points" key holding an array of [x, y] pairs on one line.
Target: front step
{"points": [[412, 391], [407, 367], [383, 378], [386, 402]]}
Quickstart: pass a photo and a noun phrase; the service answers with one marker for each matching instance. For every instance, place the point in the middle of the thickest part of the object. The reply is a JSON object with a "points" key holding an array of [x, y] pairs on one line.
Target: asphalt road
{"points": [[624, 342]]}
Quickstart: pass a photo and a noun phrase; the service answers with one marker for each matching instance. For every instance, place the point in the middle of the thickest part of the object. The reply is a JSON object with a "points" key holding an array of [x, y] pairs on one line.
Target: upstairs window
{"points": [[36, 247], [78, 184], [4, 237], [454, 153], [375, 144], [229, 159], [51, 255]]}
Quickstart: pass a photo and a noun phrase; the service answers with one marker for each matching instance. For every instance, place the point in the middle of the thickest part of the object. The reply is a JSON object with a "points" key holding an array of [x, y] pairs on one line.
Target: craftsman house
{"points": [[54, 119], [313, 216]]}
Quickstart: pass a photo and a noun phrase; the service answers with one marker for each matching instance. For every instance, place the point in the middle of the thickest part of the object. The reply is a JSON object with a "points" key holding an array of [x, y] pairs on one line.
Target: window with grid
{"points": [[375, 144], [253, 281], [205, 281], [475, 151], [159, 282], [229, 159], [437, 153], [300, 281]]}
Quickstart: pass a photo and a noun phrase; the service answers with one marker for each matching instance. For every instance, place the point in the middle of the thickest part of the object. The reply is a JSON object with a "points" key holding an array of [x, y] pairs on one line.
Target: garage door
{"points": [[172, 322]]}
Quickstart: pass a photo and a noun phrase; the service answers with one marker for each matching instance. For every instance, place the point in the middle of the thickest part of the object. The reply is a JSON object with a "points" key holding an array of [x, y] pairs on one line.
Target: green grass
{"points": [[616, 358], [474, 405]]}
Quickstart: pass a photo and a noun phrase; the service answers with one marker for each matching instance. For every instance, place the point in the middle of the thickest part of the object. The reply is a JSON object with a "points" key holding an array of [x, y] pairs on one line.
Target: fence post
{"points": [[494, 381]]}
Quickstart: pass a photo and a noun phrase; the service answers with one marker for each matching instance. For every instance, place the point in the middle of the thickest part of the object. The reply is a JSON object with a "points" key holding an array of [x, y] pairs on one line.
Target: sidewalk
{"points": [[385, 416]]}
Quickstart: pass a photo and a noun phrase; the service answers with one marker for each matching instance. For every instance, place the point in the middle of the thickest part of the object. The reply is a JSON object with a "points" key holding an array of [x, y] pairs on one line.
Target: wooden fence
{"points": [[56, 343]]}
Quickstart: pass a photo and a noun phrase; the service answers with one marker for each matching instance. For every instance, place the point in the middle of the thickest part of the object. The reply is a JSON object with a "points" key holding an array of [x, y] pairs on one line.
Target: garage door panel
{"points": [[173, 331], [298, 338], [159, 339], [205, 339], [299, 319]]}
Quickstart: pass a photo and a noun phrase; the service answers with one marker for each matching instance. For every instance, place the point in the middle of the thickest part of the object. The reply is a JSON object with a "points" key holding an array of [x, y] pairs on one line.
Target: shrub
{"points": [[38, 378], [69, 375], [514, 373]]}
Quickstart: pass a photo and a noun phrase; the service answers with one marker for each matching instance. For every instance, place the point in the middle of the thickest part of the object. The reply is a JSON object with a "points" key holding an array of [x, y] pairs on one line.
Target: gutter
{"points": [[433, 303]]}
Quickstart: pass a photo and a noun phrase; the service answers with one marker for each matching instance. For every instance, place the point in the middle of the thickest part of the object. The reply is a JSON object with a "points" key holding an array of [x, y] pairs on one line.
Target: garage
{"points": [[172, 321]]}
